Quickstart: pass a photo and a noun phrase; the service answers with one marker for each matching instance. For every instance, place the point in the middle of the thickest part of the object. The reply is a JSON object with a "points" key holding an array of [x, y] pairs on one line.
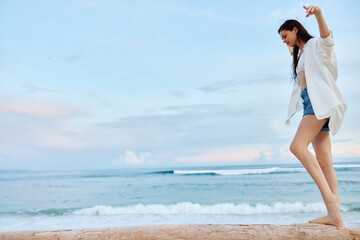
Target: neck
{"points": [[301, 45]]}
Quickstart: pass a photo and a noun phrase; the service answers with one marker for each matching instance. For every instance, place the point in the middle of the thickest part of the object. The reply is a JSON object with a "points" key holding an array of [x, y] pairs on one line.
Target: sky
{"points": [[124, 84]]}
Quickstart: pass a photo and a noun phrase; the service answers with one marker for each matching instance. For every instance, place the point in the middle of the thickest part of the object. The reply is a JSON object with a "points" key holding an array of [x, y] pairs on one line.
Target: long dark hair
{"points": [[302, 35]]}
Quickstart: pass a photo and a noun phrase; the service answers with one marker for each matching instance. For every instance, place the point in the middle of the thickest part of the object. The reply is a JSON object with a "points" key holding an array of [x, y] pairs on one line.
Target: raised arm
{"points": [[323, 28]]}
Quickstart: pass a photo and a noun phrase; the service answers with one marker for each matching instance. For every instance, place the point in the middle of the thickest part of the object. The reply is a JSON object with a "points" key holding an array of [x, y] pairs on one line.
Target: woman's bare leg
{"points": [[322, 146], [308, 129]]}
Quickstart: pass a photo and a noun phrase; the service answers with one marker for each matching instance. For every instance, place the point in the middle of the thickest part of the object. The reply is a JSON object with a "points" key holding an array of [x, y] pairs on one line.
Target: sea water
{"points": [[257, 194]]}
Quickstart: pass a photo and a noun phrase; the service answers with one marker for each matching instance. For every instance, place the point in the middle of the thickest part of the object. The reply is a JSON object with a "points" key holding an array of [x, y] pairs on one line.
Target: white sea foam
{"points": [[240, 171], [199, 209], [254, 170], [346, 165]]}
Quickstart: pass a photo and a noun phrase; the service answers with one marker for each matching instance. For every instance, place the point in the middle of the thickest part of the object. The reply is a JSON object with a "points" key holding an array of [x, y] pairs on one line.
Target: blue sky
{"points": [[117, 84]]}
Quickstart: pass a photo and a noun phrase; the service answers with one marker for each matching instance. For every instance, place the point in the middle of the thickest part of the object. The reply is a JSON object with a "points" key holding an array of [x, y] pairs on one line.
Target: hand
{"points": [[311, 10]]}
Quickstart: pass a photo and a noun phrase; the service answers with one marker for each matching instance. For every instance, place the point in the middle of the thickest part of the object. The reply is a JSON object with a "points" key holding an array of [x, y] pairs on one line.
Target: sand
{"points": [[194, 231]]}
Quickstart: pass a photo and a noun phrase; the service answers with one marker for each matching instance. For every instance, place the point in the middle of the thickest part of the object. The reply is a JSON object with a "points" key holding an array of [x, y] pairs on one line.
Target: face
{"points": [[289, 37]]}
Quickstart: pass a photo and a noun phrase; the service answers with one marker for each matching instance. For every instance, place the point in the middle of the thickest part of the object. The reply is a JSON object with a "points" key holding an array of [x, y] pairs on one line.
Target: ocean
{"points": [[251, 194]]}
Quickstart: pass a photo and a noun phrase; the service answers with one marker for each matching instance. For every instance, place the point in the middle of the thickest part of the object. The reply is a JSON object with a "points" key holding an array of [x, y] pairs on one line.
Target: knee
{"points": [[297, 148]]}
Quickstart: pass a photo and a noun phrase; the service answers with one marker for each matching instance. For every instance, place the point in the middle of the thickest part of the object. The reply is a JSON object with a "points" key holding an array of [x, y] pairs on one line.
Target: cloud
{"points": [[38, 125], [188, 128], [251, 152], [63, 142], [274, 153], [181, 129], [131, 158], [29, 88], [197, 108], [225, 157], [346, 150], [178, 93], [174, 118], [236, 85], [10, 63], [74, 56], [217, 86], [39, 109]]}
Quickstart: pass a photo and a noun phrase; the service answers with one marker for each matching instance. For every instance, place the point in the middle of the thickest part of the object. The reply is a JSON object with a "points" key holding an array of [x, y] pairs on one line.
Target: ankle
{"points": [[332, 198]]}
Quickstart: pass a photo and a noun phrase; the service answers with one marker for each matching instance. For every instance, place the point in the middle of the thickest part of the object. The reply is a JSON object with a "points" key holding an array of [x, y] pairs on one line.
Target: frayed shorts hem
{"points": [[308, 110]]}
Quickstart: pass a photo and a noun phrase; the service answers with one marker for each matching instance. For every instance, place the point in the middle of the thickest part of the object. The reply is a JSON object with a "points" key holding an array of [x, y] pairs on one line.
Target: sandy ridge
{"points": [[194, 231]]}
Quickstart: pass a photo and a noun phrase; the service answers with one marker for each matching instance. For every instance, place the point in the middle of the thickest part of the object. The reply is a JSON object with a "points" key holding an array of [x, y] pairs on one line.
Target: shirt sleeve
{"points": [[327, 42]]}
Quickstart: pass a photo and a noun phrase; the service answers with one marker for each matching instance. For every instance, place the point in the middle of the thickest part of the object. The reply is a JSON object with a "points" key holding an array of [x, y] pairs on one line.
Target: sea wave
{"points": [[195, 208], [239, 171], [346, 165], [188, 208], [271, 170]]}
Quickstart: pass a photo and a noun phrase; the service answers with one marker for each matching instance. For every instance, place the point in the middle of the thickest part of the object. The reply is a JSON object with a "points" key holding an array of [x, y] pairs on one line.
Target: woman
{"points": [[315, 91]]}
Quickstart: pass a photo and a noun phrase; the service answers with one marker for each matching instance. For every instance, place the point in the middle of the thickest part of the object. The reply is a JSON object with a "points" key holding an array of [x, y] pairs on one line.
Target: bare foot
{"points": [[334, 214], [322, 220]]}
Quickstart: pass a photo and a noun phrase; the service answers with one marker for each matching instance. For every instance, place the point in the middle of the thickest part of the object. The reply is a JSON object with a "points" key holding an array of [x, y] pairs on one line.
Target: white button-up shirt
{"points": [[321, 74]]}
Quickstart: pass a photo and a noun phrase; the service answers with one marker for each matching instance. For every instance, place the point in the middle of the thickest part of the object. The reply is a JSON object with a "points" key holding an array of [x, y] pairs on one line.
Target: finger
{"points": [[307, 12], [311, 10], [305, 7]]}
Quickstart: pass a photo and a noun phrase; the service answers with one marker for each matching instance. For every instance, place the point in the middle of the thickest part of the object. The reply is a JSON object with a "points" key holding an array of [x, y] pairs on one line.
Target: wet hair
{"points": [[302, 35]]}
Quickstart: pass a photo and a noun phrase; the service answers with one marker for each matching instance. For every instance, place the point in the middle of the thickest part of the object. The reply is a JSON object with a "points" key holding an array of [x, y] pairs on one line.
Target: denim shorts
{"points": [[308, 108]]}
